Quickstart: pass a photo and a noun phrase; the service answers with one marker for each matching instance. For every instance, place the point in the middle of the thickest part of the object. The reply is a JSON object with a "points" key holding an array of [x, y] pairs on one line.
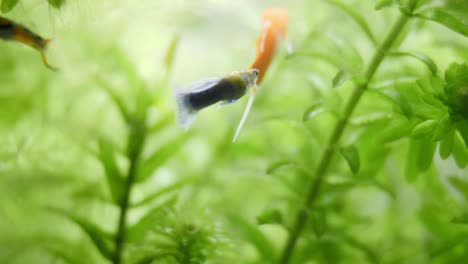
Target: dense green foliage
{"points": [[356, 150]]}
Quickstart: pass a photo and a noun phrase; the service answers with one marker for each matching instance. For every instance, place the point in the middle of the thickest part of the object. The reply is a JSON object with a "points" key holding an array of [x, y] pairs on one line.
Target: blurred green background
{"points": [[233, 202]]}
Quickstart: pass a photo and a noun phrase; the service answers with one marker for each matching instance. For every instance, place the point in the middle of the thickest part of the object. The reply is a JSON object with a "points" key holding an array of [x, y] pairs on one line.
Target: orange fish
{"points": [[274, 26], [10, 30]]}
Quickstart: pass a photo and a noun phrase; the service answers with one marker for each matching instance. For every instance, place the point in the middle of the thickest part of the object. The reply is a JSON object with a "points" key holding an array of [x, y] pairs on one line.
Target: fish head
{"points": [[249, 77]]}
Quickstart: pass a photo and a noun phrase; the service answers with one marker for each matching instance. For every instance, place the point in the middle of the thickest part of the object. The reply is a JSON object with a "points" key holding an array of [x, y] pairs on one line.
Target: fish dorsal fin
{"points": [[200, 85]]}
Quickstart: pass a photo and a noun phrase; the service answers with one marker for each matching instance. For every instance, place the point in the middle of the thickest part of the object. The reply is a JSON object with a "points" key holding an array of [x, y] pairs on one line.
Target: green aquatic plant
{"points": [[355, 149]]}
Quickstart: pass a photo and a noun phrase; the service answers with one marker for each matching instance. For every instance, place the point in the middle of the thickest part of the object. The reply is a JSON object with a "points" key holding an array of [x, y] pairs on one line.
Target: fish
{"points": [[12, 31], [274, 26], [273, 32], [206, 92]]}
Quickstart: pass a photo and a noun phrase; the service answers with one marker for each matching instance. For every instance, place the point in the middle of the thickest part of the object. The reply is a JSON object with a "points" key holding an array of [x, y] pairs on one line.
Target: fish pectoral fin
{"points": [[226, 102], [253, 92]]}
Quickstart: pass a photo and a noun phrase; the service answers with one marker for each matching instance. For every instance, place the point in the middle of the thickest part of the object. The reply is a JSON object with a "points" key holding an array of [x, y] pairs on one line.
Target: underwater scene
{"points": [[233, 131]]}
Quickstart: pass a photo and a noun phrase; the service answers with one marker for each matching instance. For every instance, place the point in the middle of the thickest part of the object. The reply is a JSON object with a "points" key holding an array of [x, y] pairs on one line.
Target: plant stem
{"points": [[320, 173], [135, 145]]}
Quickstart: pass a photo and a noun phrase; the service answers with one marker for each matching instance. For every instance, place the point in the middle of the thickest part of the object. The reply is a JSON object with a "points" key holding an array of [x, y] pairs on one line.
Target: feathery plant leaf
{"points": [[112, 172], [152, 217], [129, 68], [279, 165], [270, 216], [8, 5], [445, 19], [170, 54], [119, 103], [101, 240], [357, 17], [160, 156], [460, 151], [313, 111], [419, 159], [385, 3], [460, 184], [254, 236], [162, 123], [351, 155], [423, 128], [419, 56], [175, 238], [340, 77], [56, 3], [446, 145], [171, 188]]}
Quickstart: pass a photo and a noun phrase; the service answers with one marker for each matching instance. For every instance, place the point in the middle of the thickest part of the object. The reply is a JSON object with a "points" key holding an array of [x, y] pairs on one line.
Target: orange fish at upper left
{"points": [[12, 31]]}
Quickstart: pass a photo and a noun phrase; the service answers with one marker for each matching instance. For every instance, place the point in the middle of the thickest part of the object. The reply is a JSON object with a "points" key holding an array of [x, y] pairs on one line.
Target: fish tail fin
{"points": [[185, 113], [46, 63], [45, 44], [253, 92]]}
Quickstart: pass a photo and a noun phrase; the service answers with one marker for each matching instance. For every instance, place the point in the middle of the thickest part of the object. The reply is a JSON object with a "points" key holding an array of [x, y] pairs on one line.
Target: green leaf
{"points": [[270, 216], [423, 128], [400, 101], [56, 3], [437, 84], [459, 184], [318, 222], [254, 236], [426, 154], [444, 127], [459, 151], [395, 131], [462, 127], [340, 77], [351, 155], [419, 56], [446, 145], [385, 3], [312, 111], [165, 190], [170, 54], [420, 154], [152, 217], [131, 71], [115, 98], [8, 5], [279, 165], [445, 19], [64, 250], [160, 156], [101, 240], [113, 175], [358, 18], [162, 123]]}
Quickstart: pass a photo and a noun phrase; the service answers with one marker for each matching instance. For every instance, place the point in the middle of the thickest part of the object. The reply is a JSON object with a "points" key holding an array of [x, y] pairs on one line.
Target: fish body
{"points": [[204, 93], [274, 26], [11, 31]]}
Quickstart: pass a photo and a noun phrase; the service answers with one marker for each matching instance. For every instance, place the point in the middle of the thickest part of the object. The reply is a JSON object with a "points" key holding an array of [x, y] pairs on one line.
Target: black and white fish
{"points": [[206, 92]]}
